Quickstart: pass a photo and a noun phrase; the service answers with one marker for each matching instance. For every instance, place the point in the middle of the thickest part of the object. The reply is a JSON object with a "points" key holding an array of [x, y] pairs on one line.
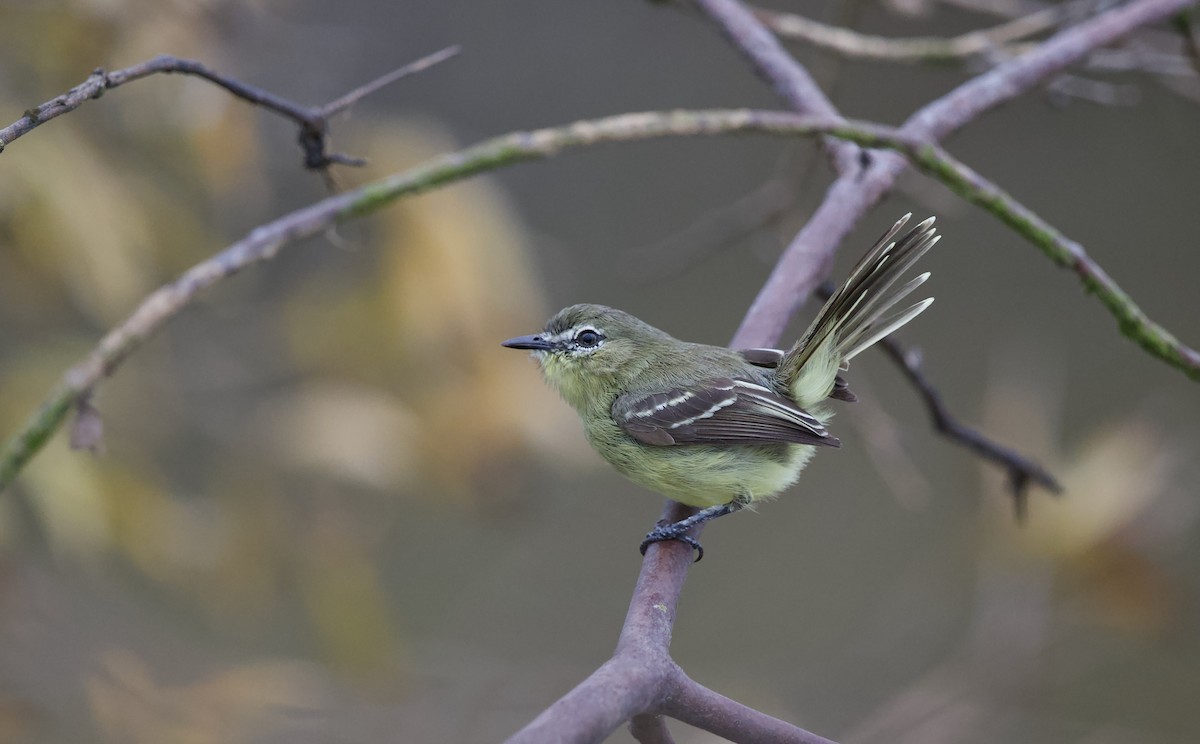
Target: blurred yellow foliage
{"points": [[1088, 534], [88, 229], [239, 704], [340, 585], [357, 433], [453, 281], [388, 381]]}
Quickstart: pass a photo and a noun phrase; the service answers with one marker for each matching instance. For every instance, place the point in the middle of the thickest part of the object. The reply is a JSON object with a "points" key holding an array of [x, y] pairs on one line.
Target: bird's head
{"points": [[588, 352]]}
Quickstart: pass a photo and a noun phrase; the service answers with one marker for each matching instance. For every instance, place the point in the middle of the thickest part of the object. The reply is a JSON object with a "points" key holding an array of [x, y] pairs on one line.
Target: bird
{"points": [[711, 427]]}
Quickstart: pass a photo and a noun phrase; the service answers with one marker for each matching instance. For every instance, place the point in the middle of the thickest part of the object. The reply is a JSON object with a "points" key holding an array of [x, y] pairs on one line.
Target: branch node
{"points": [[87, 431]]}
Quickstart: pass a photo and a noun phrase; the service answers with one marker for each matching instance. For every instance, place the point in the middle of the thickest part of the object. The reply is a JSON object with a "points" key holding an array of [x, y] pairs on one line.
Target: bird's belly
{"points": [[700, 475]]}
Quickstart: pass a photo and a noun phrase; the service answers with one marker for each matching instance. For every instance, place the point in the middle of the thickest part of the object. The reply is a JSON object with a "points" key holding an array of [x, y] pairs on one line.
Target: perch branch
{"points": [[789, 285], [641, 680]]}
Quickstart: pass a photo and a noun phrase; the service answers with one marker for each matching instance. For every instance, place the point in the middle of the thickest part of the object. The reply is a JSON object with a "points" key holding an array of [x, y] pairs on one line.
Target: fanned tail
{"points": [[857, 314]]}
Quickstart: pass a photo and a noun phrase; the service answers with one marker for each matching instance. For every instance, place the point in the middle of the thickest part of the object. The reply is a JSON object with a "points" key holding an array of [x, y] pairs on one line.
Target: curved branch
{"points": [[1022, 471], [313, 121], [699, 706], [1132, 321], [851, 43], [265, 242]]}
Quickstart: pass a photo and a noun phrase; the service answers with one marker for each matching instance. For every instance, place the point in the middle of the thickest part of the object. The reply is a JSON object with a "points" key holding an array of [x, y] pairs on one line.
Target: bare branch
{"points": [[791, 81], [699, 706], [638, 676], [1000, 40], [716, 229], [265, 242], [806, 261], [922, 49], [1132, 321], [313, 122], [610, 696], [353, 97], [1022, 471]]}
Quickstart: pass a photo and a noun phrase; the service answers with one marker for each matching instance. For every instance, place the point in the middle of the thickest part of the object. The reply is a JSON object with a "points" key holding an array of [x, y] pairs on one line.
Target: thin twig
{"points": [[313, 121], [713, 231], [858, 45], [985, 43], [348, 100], [807, 260], [1022, 471], [1146, 45]]}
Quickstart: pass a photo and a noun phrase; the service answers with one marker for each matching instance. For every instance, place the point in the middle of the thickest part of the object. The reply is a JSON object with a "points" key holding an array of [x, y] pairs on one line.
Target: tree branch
{"points": [[806, 261], [642, 655], [1021, 471], [789, 78], [699, 706], [313, 121], [265, 242], [854, 44]]}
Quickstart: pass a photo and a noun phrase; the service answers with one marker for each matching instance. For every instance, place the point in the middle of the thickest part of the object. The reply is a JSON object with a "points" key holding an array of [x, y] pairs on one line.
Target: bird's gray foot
{"points": [[674, 531]]}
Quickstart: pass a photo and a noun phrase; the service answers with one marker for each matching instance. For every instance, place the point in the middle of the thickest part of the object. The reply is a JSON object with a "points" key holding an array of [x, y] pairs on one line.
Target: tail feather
{"points": [[854, 316]]}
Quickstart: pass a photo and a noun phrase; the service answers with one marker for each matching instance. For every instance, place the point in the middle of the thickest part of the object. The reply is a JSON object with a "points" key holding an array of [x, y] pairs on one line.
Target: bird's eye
{"points": [[588, 338]]}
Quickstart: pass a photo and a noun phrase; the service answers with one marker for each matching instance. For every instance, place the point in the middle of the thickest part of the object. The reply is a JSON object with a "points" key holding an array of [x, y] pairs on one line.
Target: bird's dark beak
{"points": [[537, 343]]}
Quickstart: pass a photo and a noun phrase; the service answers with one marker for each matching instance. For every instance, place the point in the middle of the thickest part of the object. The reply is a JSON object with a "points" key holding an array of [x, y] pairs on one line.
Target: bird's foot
{"points": [[665, 532]]}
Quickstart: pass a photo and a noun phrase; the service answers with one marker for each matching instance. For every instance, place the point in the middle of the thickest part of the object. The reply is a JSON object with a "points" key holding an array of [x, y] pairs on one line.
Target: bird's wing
{"points": [[722, 410], [770, 359]]}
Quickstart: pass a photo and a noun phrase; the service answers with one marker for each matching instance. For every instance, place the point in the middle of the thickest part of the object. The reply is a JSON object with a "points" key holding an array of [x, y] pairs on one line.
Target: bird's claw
{"points": [[663, 533]]}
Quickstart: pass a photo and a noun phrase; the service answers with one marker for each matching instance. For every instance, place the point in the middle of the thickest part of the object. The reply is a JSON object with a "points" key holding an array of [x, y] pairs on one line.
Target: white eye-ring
{"points": [[588, 338]]}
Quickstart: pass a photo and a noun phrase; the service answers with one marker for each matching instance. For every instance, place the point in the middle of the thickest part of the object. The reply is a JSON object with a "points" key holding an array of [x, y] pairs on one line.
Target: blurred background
{"points": [[331, 508]]}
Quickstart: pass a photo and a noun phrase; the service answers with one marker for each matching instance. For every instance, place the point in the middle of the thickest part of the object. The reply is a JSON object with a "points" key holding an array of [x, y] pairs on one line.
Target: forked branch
{"points": [[312, 120]]}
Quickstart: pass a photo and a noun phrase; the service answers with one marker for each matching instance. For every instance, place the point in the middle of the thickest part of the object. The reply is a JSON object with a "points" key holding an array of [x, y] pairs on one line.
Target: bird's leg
{"points": [[677, 530]]}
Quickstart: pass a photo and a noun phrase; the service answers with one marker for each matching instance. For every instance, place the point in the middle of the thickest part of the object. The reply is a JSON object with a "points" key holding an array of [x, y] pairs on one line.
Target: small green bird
{"points": [[712, 427]]}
